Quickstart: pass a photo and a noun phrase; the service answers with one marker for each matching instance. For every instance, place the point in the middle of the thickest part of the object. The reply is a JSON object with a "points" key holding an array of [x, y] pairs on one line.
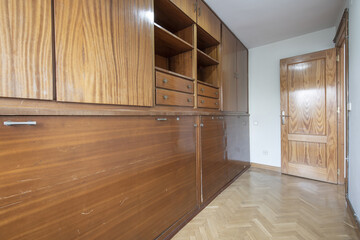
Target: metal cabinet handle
{"points": [[189, 86], [202, 101], [165, 97], [189, 100], [28, 123], [216, 93], [161, 119], [202, 89], [165, 80], [216, 103], [201, 125], [199, 9]]}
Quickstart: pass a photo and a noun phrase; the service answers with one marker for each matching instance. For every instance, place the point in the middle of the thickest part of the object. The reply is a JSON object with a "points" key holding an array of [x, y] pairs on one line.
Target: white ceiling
{"points": [[260, 22]]}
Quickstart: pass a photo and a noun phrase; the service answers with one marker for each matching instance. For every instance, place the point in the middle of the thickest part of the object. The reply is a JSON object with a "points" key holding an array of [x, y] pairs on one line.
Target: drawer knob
{"points": [[202, 89], [202, 101], [189, 86], [216, 93], [216, 103], [165, 97], [165, 80], [189, 100]]}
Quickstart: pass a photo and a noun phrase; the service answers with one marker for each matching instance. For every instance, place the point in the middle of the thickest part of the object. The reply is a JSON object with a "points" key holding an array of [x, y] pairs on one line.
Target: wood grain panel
{"points": [[187, 6], [242, 78], [310, 154], [171, 82], [208, 21], [207, 91], [237, 144], [205, 102], [96, 177], [104, 51], [26, 69], [214, 164], [228, 69], [307, 97], [172, 98]]}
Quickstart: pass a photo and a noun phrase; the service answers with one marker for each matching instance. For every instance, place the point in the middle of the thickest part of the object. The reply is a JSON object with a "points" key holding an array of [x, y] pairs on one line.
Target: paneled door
{"points": [[242, 77], [208, 21], [26, 69], [309, 116]]}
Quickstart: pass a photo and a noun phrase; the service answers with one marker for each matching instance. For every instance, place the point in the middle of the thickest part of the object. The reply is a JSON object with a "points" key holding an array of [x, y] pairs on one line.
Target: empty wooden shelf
{"points": [[205, 60]]}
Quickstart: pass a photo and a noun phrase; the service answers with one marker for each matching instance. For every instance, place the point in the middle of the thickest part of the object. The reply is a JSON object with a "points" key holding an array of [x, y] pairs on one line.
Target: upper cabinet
{"points": [[104, 51], [188, 7], [208, 21], [26, 69], [242, 77], [228, 70]]}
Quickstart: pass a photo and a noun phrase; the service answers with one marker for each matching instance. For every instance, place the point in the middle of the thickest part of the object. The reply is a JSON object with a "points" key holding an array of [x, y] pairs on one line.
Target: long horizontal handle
{"points": [[28, 123]]}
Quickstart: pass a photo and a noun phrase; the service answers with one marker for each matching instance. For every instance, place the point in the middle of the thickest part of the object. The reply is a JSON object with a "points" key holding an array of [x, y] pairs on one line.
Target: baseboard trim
{"points": [[266, 167], [171, 232], [354, 218]]}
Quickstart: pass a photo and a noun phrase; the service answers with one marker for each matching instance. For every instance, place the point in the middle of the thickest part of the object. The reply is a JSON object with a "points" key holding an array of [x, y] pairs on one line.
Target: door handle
{"points": [[283, 116], [28, 123]]}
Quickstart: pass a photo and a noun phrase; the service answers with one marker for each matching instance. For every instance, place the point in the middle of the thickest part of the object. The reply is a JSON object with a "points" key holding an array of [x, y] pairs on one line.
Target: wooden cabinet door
{"points": [[238, 144], [214, 165], [242, 77], [26, 69], [187, 6], [208, 21], [96, 177], [104, 51], [228, 70]]}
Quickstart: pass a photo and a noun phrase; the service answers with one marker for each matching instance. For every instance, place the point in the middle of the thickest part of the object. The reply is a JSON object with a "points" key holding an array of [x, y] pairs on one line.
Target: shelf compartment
{"points": [[168, 44], [207, 84], [205, 40], [205, 60]]}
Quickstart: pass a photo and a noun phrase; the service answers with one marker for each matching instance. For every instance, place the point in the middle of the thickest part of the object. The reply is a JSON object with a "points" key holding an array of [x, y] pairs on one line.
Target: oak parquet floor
{"points": [[263, 204]]}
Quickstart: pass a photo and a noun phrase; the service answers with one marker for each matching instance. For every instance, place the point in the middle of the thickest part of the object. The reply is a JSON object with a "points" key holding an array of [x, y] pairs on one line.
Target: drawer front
{"points": [[166, 97], [207, 91], [205, 102], [168, 81]]}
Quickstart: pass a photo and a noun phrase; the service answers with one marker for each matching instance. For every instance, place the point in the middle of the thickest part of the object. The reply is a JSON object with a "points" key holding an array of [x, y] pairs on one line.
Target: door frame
{"points": [[341, 38]]}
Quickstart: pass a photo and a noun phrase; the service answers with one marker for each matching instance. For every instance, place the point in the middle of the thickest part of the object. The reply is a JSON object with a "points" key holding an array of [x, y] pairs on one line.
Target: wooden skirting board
{"points": [[266, 167]]}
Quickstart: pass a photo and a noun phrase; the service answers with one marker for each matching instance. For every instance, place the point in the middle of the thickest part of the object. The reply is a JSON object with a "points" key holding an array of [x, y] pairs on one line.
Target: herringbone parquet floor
{"points": [[263, 204]]}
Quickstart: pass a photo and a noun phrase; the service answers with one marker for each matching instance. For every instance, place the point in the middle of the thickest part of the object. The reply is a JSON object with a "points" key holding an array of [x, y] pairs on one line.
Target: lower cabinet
{"points": [[97, 177], [225, 151]]}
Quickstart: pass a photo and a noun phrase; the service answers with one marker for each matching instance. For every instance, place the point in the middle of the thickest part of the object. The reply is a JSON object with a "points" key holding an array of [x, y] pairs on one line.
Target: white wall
{"points": [[264, 89], [354, 115]]}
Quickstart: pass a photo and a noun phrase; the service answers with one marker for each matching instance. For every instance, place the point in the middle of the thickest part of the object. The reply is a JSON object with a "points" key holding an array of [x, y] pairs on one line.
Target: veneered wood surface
{"points": [[26, 69], [172, 82], [242, 77], [228, 70], [205, 102], [308, 97], [207, 91], [104, 51], [187, 6], [96, 177], [173, 98], [208, 21]]}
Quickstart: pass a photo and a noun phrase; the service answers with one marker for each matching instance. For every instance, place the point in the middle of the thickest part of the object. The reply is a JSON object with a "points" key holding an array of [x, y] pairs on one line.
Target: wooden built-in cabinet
{"points": [[96, 177], [80, 166], [104, 51], [26, 69], [234, 73], [225, 151]]}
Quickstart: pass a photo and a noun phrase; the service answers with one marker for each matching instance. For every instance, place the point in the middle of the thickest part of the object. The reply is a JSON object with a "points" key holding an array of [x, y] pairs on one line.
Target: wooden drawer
{"points": [[171, 82], [205, 102], [166, 97], [207, 91]]}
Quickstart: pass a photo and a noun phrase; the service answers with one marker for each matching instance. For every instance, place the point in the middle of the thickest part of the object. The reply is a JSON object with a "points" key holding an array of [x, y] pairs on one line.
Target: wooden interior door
{"points": [[104, 51], [228, 69], [26, 69], [309, 116]]}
